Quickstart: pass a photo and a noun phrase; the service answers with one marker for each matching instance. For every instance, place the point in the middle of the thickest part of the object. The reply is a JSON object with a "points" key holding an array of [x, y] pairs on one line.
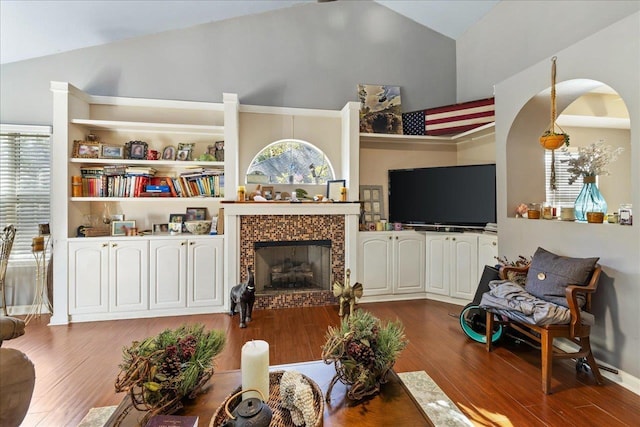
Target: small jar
{"points": [[533, 211], [547, 211], [241, 193]]}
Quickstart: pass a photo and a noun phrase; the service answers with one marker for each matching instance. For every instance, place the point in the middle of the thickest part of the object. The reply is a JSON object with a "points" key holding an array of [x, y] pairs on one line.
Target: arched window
{"points": [[290, 161]]}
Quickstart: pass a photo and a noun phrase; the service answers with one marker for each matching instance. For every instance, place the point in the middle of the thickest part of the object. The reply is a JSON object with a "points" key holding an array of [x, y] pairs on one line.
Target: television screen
{"points": [[453, 195]]}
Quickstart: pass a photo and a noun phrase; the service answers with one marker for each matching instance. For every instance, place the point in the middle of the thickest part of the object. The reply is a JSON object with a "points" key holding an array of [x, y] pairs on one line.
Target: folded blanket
{"points": [[511, 300]]}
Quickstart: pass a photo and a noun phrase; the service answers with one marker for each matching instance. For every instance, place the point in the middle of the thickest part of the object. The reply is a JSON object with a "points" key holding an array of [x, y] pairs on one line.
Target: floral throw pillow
{"points": [[550, 274]]}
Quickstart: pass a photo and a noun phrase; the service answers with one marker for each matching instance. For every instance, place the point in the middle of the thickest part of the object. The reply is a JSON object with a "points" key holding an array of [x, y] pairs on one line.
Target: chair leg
{"points": [[3, 295], [489, 330], [586, 345], [546, 341]]}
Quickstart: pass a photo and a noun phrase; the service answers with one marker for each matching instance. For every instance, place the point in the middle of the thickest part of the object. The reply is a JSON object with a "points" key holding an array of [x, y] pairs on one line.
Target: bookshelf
{"points": [[116, 122]]}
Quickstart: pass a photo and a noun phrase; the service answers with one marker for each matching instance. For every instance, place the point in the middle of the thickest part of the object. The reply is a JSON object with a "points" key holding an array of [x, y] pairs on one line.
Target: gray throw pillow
{"points": [[549, 275]]}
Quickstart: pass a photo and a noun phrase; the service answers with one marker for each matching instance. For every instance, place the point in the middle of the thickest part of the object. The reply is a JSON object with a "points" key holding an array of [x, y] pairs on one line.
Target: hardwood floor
{"points": [[76, 365]]}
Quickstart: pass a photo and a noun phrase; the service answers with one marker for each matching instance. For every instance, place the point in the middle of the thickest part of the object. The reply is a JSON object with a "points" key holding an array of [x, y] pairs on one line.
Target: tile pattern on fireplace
{"points": [[268, 228]]}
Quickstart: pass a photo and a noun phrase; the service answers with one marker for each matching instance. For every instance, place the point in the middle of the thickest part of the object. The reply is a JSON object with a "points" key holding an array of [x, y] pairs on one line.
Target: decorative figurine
{"points": [[244, 295], [347, 294]]}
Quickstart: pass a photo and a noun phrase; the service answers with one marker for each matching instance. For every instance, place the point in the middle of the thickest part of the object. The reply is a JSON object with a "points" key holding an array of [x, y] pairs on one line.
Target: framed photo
{"points": [[183, 155], [160, 228], [119, 228], [169, 153], [136, 150], [195, 214], [268, 192], [175, 227], [43, 229], [86, 150], [111, 152], [178, 218], [334, 187], [217, 151], [185, 150]]}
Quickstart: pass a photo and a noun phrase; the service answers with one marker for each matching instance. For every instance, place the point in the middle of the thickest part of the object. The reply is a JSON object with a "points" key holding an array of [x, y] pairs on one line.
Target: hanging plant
{"points": [[554, 137]]}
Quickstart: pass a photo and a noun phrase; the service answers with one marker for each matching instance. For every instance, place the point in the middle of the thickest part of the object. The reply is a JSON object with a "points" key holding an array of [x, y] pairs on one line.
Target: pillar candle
{"points": [[255, 368]]}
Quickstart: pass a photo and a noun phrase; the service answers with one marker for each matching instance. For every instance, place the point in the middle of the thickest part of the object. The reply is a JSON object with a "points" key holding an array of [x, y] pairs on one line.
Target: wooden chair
{"points": [[6, 243], [577, 330]]}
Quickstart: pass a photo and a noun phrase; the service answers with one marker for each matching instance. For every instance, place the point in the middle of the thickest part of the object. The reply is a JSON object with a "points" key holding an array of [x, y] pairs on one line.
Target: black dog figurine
{"points": [[244, 295]]}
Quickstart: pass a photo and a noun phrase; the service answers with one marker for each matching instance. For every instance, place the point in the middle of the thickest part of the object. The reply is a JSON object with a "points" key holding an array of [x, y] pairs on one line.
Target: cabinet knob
{"points": [[453, 238], [396, 237], [113, 245], [192, 243], [389, 237], [494, 243], [104, 245], [183, 243]]}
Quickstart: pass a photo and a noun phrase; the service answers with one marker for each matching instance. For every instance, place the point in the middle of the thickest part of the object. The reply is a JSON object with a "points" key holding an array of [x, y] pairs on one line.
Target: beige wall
{"points": [[377, 159], [257, 130]]}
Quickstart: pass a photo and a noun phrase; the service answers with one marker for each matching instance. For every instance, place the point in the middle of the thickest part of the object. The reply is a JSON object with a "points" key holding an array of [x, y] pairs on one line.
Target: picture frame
{"points": [[43, 229], [136, 150], [117, 217], [111, 151], [268, 192], [86, 150], [160, 228], [169, 153], [185, 151], [183, 155], [179, 218], [119, 228], [175, 227], [196, 214], [333, 188]]}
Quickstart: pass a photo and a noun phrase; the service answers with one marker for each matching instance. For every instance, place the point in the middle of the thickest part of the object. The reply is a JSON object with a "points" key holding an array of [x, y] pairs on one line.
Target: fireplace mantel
{"points": [[289, 208]]}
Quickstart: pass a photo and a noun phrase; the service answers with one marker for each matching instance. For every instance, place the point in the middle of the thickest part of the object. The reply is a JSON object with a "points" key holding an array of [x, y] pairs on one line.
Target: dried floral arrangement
{"points": [[519, 277], [363, 350], [592, 160], [161, 370]]}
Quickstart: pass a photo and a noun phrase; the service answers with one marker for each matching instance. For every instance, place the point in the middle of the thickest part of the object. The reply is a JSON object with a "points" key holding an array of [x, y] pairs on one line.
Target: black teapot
{"points": [[252, 412]]}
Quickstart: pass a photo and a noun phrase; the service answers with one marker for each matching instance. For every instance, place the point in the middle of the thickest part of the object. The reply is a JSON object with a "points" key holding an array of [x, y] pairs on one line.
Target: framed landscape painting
{"points": [[380, 109]]}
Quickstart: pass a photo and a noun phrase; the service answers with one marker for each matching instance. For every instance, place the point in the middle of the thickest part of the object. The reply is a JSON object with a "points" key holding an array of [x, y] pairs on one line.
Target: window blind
{"points": [[566, 194], [25, 183]]}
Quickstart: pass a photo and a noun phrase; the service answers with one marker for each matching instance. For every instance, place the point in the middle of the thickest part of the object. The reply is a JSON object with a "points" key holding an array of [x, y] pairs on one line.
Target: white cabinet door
{"points": [[167, 273], [487, 252], [128, 275], [464, 266], [438, 254], [409, 261], [204, 273], [88, 277], [375, 262]]}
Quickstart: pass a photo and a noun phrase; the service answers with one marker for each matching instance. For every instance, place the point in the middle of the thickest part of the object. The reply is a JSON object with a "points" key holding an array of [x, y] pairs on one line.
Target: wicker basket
{"points": [[281, 416]]}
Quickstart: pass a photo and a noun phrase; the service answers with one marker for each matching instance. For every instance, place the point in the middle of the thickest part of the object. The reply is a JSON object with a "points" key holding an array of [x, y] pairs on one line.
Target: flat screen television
{"points": [[459, 196]]}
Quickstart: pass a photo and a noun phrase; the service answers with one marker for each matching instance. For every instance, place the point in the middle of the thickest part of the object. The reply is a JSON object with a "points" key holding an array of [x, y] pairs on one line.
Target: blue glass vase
{"points": [[589, 200]]}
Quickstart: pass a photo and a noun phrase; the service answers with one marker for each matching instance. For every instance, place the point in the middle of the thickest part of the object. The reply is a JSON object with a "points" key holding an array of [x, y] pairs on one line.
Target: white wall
{"points": [[517, 34], [310, 56], [611, 56]]}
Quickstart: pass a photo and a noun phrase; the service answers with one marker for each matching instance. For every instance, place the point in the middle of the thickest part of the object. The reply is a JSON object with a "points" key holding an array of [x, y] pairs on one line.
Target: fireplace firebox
{"points": [[299, 265]]}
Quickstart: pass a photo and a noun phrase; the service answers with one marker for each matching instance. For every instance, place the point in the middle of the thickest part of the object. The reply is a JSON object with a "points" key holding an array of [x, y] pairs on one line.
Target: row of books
{"points": [[140, 181]]}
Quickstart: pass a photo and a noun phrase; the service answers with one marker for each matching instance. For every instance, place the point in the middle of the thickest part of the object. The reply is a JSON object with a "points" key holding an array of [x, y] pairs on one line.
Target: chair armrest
{"points": [[572, 291], [506, 269], [10, 327]]}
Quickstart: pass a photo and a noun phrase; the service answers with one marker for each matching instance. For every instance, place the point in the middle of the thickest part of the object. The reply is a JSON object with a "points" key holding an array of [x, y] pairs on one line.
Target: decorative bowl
{"points": [[198, 227]]}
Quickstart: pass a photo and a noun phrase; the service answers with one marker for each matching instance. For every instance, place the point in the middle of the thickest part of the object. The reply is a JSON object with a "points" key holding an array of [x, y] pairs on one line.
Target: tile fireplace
{"points": [[312, 244]]}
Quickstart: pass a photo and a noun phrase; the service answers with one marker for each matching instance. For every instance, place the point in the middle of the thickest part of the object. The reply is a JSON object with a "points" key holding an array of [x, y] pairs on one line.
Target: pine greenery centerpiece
{"points": [[363, 350], [161, 370]]}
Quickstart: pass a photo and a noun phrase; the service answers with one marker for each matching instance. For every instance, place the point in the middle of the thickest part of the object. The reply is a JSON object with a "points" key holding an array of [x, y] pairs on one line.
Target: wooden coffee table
{"points": [[394, 405]]}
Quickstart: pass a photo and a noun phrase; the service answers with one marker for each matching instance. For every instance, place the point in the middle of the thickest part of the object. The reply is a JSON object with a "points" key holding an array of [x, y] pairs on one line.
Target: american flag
{"points": [[413, 123], [459, 117]]}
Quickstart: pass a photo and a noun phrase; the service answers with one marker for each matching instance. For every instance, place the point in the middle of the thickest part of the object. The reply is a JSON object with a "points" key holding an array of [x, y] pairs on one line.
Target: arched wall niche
{"points": [[525, 171]]}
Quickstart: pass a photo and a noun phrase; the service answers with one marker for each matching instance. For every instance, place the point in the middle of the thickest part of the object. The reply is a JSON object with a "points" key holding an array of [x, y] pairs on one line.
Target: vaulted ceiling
{"points": [[29, 29]]}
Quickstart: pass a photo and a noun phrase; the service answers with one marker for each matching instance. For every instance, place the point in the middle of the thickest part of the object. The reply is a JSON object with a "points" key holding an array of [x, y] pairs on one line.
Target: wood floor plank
{"points": [[76, 365]]}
